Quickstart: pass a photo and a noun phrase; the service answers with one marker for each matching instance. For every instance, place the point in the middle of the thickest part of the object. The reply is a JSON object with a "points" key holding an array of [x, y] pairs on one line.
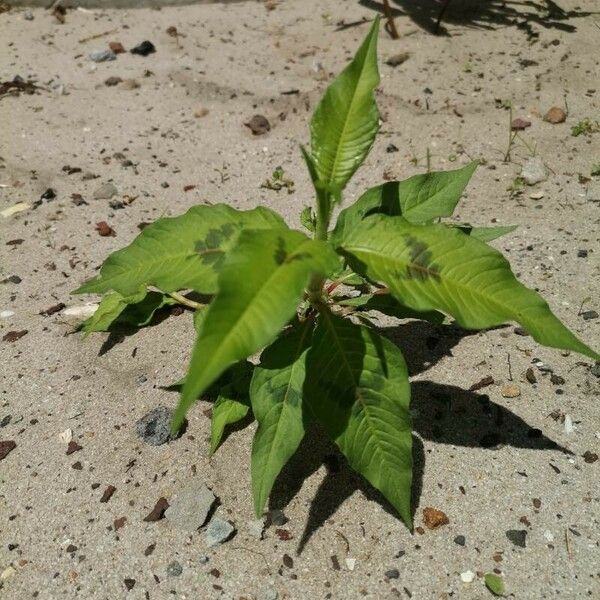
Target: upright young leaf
{"points": [[419, 199], [276, 396], [357, 387], [179, 252], [260, 286], [434, 267], [346, 120]]}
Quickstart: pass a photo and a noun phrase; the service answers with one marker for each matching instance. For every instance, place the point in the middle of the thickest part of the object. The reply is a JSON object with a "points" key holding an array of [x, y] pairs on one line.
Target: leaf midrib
{"points": [[251, 304], [330, 179], [358, 396], [284, 403], [448, 278]]}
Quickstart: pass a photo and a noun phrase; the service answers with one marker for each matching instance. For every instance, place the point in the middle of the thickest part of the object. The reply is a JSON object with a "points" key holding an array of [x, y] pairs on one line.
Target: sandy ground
{"points": [[57, 540]]}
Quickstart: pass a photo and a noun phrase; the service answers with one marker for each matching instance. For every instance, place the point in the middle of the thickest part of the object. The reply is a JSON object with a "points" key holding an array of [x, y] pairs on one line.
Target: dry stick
{"points": [[98, 35], [390, 26]]}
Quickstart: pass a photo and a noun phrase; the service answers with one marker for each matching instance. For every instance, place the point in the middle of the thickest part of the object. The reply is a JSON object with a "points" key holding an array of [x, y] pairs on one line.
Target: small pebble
{"points": [[5, 314], [191, 506], [155, 427], [267, 593], [218, 531], [467, 577], [460, 540], [130, 84], [102, 56], [392, 573], [144, 49], [555, 115], [256, 528], [105, 192], [350, 563], [588, 315], [534, 171], [174, 569], [511, 391], [569, 428], [111, 81], [518, 537]]}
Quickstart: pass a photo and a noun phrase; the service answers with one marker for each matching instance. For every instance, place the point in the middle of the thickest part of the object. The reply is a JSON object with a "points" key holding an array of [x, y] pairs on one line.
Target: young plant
{"points": [[303, 301]]}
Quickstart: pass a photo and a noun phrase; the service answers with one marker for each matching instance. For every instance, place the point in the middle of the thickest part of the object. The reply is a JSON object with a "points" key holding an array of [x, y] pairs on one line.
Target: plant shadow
{"points": [[489, 14], [444, 414]]}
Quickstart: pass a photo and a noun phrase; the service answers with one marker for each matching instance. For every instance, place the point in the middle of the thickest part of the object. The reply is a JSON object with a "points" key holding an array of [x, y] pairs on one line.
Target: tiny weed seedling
{"points": [[585, 127], [304, 301]]}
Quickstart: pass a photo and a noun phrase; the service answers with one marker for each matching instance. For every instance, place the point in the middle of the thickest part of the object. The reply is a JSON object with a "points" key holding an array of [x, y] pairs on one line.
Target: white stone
{"points": [[66, 436], [467, 577], [5, 314]]}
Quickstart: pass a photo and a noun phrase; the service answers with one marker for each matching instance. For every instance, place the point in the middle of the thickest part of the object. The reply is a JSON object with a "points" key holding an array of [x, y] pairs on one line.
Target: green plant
{"points": [[585, 127], [304, 301]]}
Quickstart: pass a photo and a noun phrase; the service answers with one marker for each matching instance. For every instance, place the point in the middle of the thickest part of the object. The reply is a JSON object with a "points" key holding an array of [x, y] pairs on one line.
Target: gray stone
{"points": [[218, 531], [267, 593], [190, 507], [518, 537], [106, 191], [174, 569], [534, 171], [256, 528], [155, 427], [588, 315], [277, 517], [460, 540], [392, 573], [102, 55]]}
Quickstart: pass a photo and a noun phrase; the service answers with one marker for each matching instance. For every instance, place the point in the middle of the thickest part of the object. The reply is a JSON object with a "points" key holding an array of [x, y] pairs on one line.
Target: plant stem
{"points": [[315, 289], [186, 301]]}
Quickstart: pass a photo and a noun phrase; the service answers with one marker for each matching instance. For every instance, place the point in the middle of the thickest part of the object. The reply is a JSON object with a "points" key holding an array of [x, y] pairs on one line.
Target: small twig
{"points": [[345, 539], [568, 544], [98, 35], [253, 552], [510, 377], [390, 26], [511, 136], [186, 301]]}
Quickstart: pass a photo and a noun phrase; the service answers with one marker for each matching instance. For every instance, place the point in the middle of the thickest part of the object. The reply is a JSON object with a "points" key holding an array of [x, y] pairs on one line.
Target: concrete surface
{"points": [[184, 126]]}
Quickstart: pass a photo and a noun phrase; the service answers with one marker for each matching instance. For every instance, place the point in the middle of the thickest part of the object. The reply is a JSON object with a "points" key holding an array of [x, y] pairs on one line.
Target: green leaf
{"points": [[494, 584], [109, 310], [136, 311], [434, 267], [346, 121], [230, 407], [388, 305], [357, 387], [184, 252], [419, 199], [276, 396], [308, 219], [487, 234], [260, 285]]}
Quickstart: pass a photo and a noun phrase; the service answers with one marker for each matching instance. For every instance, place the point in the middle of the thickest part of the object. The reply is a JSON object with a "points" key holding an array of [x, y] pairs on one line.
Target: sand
{"points": [[184, 126]]}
